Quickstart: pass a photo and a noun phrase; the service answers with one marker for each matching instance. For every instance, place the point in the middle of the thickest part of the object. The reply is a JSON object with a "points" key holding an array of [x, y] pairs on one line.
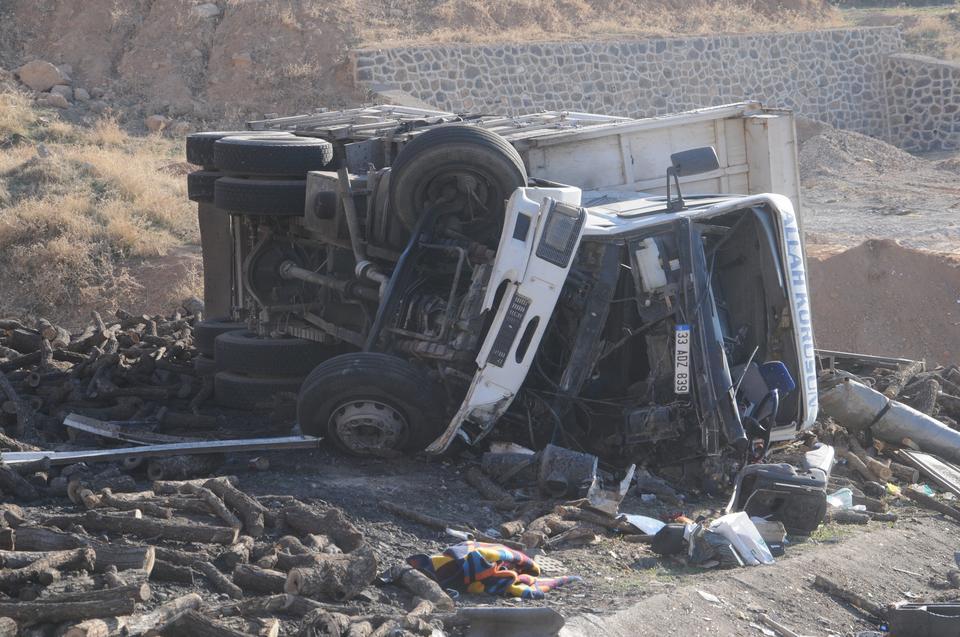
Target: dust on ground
{"points": [[856, 187]]}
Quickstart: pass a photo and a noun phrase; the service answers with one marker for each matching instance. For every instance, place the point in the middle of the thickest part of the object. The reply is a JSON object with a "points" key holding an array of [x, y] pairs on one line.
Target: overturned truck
{"points": [[422, 279]]}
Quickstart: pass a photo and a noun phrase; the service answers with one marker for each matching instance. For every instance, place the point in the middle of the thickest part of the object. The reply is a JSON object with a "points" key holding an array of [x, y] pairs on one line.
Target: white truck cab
{"points": [[676, 261]]}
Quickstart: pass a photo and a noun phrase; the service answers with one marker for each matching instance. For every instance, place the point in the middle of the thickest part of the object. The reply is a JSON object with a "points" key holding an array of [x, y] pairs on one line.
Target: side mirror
{"points": [[685, 163], [695, 161]]}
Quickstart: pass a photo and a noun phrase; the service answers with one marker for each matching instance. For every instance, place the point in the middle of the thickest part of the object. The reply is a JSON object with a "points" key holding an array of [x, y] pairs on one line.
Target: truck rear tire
{"points": [[200, 145], [463, 161], [205, 332], [272, 155], [248, 353], [265, 197], [200, 185], [371, 404]]}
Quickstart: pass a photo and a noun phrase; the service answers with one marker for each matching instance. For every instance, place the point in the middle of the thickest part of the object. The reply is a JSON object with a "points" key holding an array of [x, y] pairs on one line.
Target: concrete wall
{"points": [[836, 76], [923, 103]]}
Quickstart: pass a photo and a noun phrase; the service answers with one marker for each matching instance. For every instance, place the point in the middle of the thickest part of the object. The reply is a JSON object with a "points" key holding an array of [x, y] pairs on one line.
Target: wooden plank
{"points": [[946, 474], [175, 449]]}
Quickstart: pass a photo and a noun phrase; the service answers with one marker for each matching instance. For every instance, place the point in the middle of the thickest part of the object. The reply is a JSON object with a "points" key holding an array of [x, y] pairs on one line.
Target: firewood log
{"points": [[172, 487], [13, 483], [287, 561], [322, 623], [543, 527], [292, 544], [253, 579], [107, 498], [11, 515], [362, 628], [337, 576], [251, 511], [931, 503], [332, 523], [218, 580], [857, 464], [164, 571], [52, 611], [146, 527], [193, 624], [910, 475], [124, 557], [47, 567], [137, 592], [184, 558], [835, 589], [134, 625], [489, 489], [238, 553], [424, 587], [216, 505]]}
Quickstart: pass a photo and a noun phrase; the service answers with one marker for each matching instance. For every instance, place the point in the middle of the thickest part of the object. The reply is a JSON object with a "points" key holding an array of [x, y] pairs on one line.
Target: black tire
{"points": [[248, 353], [204, 366], [200, 145], [266, 197], [356, 379], [200, 185], [205, 332], [275, 156], [447, 159], [236, 391]]}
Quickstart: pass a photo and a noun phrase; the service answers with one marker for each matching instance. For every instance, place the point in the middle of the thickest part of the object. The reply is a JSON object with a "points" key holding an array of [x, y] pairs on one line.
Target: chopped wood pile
{"points": [[878, 471], [134, 368], [118, 567]]}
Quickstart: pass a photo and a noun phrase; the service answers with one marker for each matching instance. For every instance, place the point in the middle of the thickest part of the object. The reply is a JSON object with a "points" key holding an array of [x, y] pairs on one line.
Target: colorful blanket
{"points": [[477, 567]]}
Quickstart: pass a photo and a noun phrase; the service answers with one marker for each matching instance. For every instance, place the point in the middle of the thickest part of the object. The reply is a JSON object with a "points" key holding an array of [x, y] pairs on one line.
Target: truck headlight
{"points": [[560, 233]]}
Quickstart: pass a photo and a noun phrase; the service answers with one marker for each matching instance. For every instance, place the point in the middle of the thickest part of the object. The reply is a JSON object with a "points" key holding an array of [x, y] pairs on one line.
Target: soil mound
{"points": [[885, 299]]}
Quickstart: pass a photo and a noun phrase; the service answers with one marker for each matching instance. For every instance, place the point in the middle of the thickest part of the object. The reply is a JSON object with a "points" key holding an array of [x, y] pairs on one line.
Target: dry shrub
{"points": [[934, 35], [16, 114], [76, 221], [107, 132]]}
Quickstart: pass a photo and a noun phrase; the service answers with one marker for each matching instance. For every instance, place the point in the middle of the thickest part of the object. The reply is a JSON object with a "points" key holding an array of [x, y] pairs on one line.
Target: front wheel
{"points": [[371, 404]]}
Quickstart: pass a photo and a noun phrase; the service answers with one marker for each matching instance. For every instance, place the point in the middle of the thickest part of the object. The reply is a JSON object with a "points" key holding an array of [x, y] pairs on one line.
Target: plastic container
{"points": [[841, 498]]}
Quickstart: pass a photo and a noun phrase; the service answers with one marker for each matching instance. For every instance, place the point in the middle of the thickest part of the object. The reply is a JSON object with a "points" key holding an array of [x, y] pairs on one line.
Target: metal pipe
{"points": [[290, 270], [365, 269]]}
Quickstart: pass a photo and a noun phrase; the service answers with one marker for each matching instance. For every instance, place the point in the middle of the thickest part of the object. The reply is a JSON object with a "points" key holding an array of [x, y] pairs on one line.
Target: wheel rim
{"points": [[369, 426], [476, 194]]}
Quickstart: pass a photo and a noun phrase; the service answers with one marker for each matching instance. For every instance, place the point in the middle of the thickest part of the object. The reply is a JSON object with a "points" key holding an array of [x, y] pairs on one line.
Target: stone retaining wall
{"points": [[923, 103], [836, 76]]}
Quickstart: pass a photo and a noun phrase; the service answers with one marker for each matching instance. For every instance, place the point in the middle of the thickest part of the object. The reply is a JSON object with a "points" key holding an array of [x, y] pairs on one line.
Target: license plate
{"points": [[681, 359]]}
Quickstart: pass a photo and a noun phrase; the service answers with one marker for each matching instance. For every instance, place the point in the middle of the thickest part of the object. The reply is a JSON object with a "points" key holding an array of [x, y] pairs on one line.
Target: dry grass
{"points": [[935, 35], [392, 22], [927, 30], [82, 210]]}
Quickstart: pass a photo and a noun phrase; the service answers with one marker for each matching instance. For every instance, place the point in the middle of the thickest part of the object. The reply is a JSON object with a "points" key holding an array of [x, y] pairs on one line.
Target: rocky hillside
{"points": [[187, 60]]}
